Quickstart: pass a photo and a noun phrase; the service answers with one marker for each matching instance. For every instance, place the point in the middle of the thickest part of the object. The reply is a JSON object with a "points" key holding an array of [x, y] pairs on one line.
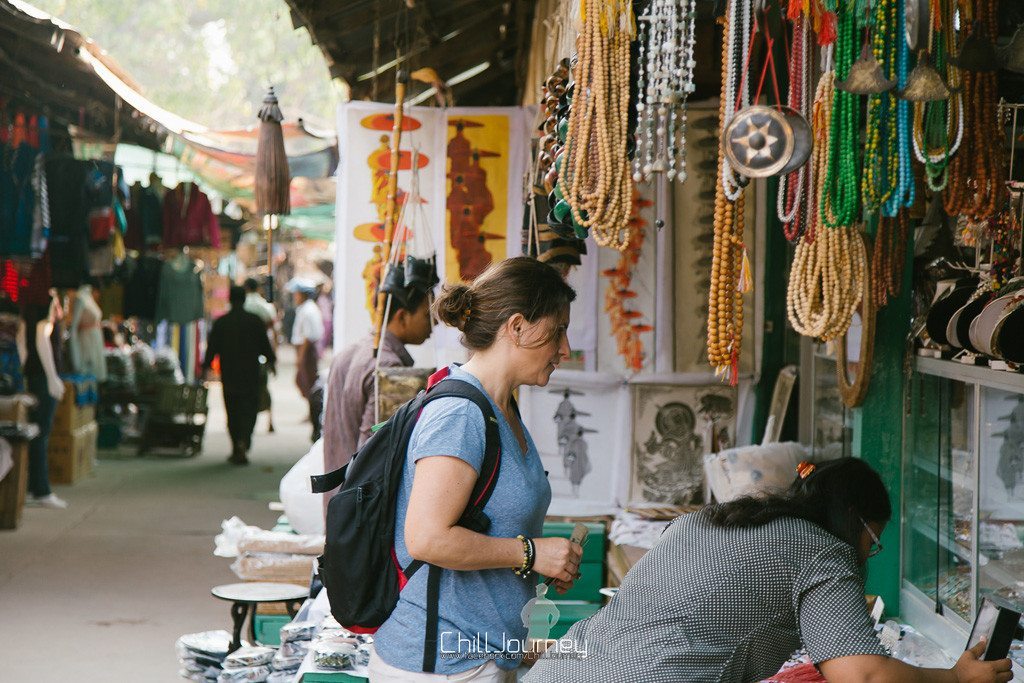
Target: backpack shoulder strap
{"points": [[492, 449]]}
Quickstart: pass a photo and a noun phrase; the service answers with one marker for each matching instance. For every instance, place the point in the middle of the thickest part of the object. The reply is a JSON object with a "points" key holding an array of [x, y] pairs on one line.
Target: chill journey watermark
{"points": [[456, 645]]}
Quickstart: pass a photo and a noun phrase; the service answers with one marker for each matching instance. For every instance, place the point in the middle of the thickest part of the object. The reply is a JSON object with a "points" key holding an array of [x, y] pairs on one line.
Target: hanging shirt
{"points": [[309, 324], [145, 218], [188, 218], [143, 288], [65, 179], [180, 298]]}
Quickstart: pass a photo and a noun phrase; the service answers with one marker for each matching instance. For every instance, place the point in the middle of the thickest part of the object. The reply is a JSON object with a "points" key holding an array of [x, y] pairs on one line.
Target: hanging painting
{"points": [[486, 158], [364, 139], [674, 426], [580, 427]]}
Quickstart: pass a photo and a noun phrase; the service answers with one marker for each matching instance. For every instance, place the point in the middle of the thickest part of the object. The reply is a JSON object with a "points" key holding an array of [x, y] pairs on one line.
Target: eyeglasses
{"points": [[876, 545]]}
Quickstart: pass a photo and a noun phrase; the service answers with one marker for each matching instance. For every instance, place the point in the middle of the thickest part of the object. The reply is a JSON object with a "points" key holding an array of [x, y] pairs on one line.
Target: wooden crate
{"points": [[13, 487], [70, 455]]}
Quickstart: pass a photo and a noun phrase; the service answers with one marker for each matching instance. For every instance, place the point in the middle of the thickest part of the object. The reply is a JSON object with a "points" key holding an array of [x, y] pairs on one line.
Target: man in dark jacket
{"points": [[239, 338]]}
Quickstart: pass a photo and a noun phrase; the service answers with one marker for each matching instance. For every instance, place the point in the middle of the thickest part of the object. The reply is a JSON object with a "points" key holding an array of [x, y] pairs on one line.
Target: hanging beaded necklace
{"points": [[936, 123], [840, 199], [725, 296], [792, 204], [880, 176], [978, 172], [666, 80], [595, 179], [887, 257], [904, 193]]}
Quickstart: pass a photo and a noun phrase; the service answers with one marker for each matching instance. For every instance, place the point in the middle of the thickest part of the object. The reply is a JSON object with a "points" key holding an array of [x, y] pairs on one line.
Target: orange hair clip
{"points": [[805, 469]]}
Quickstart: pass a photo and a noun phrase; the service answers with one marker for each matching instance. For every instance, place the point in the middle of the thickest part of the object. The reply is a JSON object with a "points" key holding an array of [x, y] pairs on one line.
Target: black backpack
{"points": [[359, 567]]}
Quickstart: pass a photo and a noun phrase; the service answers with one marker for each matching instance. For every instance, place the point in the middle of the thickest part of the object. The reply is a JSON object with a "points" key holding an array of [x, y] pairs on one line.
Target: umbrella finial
{"points": [[270, 111]]}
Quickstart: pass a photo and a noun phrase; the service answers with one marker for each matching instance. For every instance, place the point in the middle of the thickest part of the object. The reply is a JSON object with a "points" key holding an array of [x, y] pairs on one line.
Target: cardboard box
{"points": [[15, 408], [71, 455], [13, 487], [68, 417]]}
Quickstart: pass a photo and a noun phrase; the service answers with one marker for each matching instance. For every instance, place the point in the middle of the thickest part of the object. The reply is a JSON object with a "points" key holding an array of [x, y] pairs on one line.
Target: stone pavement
{"points": [[99, 592]]}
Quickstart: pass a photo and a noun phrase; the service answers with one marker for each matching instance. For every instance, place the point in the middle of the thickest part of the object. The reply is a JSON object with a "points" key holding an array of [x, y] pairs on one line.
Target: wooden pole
{"points": [[390, 213]]}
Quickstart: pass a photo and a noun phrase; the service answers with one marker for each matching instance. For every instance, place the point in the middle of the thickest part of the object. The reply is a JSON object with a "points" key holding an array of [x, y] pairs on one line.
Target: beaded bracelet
{"points": [[529, 554]]}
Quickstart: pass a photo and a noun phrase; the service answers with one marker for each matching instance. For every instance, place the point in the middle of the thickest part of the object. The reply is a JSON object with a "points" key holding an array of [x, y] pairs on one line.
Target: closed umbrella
{"points": [[272, 176]]}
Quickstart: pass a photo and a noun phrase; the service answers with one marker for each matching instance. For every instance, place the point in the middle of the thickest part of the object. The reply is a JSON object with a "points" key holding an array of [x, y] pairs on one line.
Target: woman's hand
{"points": [[559, 559], [970, 669]]}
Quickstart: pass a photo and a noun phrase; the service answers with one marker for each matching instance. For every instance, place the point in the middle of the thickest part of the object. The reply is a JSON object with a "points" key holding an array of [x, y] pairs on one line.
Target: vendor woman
{"points": [[728, 593]]}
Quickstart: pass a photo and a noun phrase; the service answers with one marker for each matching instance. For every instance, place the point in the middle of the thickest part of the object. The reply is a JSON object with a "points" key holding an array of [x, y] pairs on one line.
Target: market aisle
{"points": [[101, 591]]}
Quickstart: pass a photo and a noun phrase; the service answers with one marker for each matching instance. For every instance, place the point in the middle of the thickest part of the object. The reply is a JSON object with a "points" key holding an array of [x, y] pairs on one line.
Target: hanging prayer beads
{"points": [[666, 81], [595, 179]]}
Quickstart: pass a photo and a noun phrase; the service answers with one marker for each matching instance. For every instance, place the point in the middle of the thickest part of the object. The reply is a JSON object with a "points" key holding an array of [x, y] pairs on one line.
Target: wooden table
{"points": [[244, 597]]}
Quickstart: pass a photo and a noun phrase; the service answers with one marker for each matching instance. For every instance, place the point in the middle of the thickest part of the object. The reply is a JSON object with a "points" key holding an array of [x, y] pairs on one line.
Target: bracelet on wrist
{"points": [[529, 555]]}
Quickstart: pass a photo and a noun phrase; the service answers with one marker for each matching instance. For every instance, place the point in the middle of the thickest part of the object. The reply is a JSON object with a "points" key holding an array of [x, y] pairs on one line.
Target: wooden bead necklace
{"points": [[596, 180], [825, 281], [725, 298], [887, 257], [978, 173]]}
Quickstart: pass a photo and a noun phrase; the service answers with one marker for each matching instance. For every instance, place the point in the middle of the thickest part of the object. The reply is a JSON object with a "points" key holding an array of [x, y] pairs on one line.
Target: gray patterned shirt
{"points": [[714, 604]]}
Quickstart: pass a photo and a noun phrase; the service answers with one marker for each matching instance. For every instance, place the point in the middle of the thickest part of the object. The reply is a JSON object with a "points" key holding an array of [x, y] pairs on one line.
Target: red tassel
{"points": [[828, 32], [734, 369], [33, 131], [795, 9]]}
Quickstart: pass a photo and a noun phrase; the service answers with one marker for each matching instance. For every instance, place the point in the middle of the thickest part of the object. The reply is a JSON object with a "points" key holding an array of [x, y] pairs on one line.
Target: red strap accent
{"points": [[437, 377], [490, 482], [402, 580], [363, 629]]}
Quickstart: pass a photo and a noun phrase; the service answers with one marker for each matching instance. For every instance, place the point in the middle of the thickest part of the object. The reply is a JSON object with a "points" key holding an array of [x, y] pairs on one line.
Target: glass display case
{"points": [[829, 423], [963, 496]]}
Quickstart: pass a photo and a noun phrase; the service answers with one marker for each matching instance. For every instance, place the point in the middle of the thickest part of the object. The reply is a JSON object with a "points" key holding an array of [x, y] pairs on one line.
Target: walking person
{"points": [[349, 410], [265, 311], [307, 330], [513, 319], [239, 338]]}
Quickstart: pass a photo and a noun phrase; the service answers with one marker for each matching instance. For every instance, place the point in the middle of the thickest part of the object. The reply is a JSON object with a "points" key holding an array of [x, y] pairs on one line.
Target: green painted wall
{"points": [[878, 432]]}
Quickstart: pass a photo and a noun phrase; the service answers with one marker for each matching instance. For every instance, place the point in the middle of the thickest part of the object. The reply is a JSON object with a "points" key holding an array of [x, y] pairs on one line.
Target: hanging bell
{"points": [[1012, 55], [764, 141], [866, 76], [978, 53], [925, 84]]}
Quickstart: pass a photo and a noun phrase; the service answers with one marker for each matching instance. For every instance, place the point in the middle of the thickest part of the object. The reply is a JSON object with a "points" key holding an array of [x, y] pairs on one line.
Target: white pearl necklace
{"points": [[738, 46], [666, 81]]}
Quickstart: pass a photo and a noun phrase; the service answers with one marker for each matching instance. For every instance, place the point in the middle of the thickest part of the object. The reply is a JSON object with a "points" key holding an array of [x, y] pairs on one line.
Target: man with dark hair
{"points": [[260, 307], [349, 413], [239, 338]]}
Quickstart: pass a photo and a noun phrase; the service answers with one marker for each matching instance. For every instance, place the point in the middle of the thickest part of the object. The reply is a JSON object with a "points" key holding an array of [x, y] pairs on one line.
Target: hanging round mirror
{"points": [[855, 350]]}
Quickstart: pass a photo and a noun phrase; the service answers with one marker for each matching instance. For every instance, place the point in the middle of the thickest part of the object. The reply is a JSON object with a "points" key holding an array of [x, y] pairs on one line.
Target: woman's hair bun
{"points": [[454, 306]]}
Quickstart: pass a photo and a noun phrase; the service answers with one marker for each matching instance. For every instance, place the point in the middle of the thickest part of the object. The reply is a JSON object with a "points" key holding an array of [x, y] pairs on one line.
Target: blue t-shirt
{"points": [[479, 610]]}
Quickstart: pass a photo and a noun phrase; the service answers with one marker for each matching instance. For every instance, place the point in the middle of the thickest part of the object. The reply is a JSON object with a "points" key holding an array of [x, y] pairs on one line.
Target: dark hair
{"points": [[236, 296], [251, 284], [408, 299], [836, 496], [516, 285]]}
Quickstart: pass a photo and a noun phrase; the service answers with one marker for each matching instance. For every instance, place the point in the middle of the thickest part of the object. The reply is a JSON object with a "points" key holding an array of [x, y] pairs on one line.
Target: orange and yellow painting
{"points": [[477, 202], [379, 163]]}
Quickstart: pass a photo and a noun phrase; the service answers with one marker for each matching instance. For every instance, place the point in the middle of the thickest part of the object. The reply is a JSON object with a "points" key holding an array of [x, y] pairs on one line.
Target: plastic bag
{"points": [[247, 674], [751, 470], [232, 531], [335, 654], [298, 630], [274, 567], [211, 644], [304, 509], [249, 656], [261, 541], [284, 663], [294, 648]]}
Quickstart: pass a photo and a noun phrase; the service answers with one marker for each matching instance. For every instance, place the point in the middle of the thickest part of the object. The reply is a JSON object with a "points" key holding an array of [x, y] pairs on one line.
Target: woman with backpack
{"points": [[513, 319], [729, 592]]}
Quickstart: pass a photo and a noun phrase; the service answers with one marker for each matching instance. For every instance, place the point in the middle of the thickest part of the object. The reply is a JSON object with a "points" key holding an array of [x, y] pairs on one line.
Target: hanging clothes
{"points": [[145, 218], [41, 212], [188, 218], [143, 288], [180, 299], [18, 239], [34, 290], [11, 380], [86, 336], [68, 225]]}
